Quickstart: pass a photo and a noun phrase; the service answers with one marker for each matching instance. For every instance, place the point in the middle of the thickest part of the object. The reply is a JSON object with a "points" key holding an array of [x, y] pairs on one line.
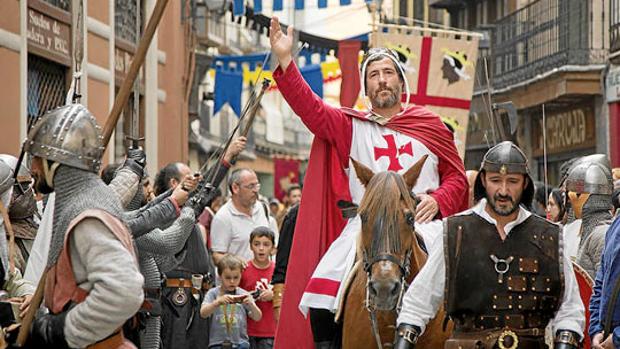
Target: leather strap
{"points": [[184, 283]]}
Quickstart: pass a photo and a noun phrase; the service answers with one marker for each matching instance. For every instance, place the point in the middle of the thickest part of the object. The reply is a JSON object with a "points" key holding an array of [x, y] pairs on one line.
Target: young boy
{"points": [[229, 306], [256, 278]]}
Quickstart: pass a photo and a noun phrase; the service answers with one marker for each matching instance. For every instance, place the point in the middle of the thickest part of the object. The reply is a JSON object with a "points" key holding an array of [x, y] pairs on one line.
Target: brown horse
{"points": [[389, 257]]}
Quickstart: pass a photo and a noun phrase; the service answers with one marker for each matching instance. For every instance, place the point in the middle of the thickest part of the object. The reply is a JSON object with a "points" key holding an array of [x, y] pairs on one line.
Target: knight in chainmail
{"points": [[162, 242], [161, 231], [11, 277], [572, 225], [189, 276], [22, 213], [88, 305], [589, 187]]}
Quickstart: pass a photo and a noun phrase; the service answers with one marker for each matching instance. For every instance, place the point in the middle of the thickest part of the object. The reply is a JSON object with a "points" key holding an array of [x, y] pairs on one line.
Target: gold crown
{"points": [[452, 122], [405, 51], [461, 57]]}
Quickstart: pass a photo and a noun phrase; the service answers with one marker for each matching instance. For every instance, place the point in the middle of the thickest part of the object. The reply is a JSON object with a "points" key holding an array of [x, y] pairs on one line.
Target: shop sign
{"points": [[566, 130], [612, 84], [49, 35]]}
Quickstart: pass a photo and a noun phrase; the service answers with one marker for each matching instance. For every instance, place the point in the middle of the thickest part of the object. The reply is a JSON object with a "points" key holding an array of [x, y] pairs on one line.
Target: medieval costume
{"points": [[497, 292], [22, 212], [93, 284], [161, 230], [187, 279], [10, 275], [380, 144], [589, 187]]}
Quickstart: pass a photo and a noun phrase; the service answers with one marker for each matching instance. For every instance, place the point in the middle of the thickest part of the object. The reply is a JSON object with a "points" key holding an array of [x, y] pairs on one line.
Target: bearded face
{"points": [[504, 191], [504, 205], [40, 184], [383, 84]]}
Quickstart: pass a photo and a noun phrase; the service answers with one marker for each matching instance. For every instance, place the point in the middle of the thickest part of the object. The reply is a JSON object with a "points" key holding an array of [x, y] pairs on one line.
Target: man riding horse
{"points": [[501, 271], [390, 136]]}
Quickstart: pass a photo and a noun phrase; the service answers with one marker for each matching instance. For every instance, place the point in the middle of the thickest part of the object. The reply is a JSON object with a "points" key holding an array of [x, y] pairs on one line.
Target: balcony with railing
{"points": [[545, 35]]}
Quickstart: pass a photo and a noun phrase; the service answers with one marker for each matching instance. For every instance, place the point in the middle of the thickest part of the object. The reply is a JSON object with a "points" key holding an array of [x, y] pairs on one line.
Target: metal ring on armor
{"points": [[179, 297], [567, 337], [501, 266], [501, 341]]}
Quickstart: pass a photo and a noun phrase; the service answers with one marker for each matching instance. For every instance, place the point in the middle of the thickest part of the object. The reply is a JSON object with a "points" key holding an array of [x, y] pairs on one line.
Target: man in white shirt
{"points": [[233, 222], [500, 272]]}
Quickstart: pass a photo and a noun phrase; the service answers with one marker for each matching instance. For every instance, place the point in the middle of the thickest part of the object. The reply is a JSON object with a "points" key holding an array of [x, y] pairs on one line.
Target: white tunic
{"points": [[379, 149], [426, 293], [572, 235]]}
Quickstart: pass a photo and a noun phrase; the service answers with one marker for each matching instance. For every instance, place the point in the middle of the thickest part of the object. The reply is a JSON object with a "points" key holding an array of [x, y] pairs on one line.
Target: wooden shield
{"points": [[585, 283]]}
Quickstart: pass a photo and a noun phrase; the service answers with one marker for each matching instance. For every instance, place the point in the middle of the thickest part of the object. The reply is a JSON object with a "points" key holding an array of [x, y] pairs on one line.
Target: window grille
{"points": [[47, 85]]}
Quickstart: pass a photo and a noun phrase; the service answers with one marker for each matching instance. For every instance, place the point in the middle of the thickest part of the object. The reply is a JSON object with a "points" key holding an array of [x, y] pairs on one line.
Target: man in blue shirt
{"points": [[603, 297]]}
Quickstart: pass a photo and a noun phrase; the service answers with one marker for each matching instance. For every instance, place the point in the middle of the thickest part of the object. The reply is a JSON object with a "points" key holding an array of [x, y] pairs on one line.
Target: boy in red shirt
{"points": [[256, 279]]}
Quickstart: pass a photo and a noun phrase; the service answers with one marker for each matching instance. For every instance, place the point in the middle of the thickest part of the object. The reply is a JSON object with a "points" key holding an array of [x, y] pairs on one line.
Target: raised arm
{"points": [[324, 121], [171, 240]]}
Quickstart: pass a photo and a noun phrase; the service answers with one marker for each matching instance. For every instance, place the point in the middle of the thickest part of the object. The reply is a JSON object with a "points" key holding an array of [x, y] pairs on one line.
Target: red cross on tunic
{"points": [[392, 152]]}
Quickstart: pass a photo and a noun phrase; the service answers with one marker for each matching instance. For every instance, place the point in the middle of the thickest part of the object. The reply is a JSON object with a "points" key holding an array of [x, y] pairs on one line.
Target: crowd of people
{"points": [[127, 260], [122, 260]]}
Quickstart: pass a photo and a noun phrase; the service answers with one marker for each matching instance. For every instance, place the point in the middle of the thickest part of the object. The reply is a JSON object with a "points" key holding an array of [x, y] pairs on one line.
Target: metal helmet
{"points": [[23, 174], [6, 176], [68, 135], [590, 177], [504, 158], [600, 159]]}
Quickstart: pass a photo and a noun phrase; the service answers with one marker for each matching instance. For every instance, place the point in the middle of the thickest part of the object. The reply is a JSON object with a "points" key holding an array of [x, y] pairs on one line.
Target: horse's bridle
{"points": [[405, 268]]}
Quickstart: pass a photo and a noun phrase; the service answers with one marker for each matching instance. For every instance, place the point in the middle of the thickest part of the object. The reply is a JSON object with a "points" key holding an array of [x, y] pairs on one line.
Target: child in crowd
{"points": [[256, 278], [229, 306]]}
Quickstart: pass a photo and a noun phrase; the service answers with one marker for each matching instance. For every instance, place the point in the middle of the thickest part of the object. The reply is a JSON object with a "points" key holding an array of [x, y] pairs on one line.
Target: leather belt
{"points": [[503, 338], [184, 283]]}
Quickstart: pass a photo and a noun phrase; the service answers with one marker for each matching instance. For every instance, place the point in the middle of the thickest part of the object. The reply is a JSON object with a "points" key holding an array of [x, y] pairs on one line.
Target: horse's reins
{"points": [[405, 268]]}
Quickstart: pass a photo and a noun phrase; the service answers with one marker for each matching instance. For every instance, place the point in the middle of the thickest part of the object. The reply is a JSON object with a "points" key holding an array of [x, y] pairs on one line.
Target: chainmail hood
{"points": [[76, 191], [596, 211]]}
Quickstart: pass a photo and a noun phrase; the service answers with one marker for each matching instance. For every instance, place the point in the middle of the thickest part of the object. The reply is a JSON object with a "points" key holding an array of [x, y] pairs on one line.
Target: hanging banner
{"points": [[440, 70], [286, 173]]}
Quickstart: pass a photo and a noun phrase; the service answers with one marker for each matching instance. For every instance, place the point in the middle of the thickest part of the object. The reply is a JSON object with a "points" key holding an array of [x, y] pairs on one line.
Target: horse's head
{"points": [[387, 211]]}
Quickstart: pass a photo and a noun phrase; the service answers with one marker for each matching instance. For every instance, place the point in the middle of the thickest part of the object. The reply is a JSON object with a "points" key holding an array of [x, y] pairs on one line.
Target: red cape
{"points": [[320, 221]]}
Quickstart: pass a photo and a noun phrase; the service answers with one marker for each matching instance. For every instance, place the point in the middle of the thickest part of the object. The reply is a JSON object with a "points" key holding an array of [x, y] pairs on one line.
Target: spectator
{"points": [[233, 223], [275, 207], [206, 218], [293, 197], [256, 278], [228, 325], [539, 204], [555, 207]]}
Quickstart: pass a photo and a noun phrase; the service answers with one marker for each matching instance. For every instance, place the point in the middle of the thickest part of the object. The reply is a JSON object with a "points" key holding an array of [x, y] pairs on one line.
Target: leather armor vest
{"points": [[61, 288], [490, 283]]}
